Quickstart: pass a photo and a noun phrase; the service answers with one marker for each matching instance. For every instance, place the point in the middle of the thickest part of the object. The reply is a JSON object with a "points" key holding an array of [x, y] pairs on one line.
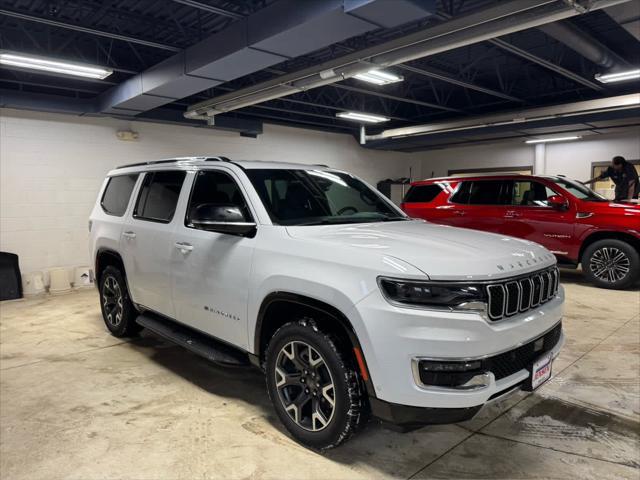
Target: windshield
{"points": [[318, 197], [578, 190]]}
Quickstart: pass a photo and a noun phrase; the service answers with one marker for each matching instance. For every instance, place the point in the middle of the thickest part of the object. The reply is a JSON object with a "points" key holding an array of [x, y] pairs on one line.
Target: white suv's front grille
{"points": [[510, 297]]}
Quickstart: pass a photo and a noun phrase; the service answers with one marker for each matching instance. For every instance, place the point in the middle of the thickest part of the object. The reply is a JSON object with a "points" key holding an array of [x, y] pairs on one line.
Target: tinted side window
{"points": [[487, 192], [218, 188], [422, 193], [116, 196], [530, 194], [462, 193], [159, 196]]}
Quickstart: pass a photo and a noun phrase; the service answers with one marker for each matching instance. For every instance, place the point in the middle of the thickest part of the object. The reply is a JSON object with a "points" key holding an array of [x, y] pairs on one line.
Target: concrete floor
{"points": [[78, 403]]}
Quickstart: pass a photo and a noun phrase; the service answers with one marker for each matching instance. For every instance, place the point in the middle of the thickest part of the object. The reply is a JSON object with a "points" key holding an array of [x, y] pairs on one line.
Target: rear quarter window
{"points": [[422, 193], [117, 194]]}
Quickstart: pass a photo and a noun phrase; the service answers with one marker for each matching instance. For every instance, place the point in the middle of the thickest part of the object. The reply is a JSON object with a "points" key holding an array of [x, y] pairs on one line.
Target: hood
{"points": [[440, 251], [630, 208]]}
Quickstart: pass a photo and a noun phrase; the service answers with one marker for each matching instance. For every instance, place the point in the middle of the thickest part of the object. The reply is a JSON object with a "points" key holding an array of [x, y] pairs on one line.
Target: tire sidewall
{"points": [[340, 373], [127, 325], [628, 249]]}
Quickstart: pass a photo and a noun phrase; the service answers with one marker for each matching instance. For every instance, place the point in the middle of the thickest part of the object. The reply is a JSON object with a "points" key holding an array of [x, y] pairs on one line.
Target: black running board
{"points": [[197, 342]]}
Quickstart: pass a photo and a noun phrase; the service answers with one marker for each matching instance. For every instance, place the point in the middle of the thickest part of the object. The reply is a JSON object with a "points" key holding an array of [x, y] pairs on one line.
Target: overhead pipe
{"points": [[516, 117], [505, 18], [584, 44]]}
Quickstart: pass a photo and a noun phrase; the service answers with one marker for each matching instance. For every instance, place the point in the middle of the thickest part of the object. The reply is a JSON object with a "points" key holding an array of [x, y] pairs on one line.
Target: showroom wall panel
{"points": [[51, 167], [572, 159]]}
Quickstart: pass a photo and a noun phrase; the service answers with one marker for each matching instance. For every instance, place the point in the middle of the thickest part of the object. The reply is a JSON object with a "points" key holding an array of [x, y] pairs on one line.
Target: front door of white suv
{"points": [[146, 242], [210, 270]]}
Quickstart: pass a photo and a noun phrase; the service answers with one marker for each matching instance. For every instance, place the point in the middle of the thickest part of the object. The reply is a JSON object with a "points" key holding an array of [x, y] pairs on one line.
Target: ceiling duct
{"points": [[585, 45], [628, 16], [485, 24], [283, 30]]}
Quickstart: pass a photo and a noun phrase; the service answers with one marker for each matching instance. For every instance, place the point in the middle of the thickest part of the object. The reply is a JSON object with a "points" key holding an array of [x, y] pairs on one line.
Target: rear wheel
{"points": [[611, 263], [313, 387], [118, 312]]}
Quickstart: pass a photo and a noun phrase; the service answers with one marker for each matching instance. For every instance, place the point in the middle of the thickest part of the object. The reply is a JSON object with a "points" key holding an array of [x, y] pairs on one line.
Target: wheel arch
{"points": [[276, 309], [107, 257], [608, 235]]}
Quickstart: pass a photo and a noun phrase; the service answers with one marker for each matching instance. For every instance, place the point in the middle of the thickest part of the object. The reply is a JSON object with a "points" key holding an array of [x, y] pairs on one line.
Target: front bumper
{"points": [[405, 418], [393, 338]]}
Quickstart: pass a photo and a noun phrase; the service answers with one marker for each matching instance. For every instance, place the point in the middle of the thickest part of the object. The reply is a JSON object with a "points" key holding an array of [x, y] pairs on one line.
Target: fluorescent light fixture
{"points": [[379, 77], [618, 76], [32, 62], [362, 117], [554, 139]]}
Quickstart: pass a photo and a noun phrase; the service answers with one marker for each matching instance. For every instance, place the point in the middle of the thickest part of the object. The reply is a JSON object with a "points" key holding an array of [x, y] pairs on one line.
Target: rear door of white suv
{"points": [[210, 270], [146, 244]]}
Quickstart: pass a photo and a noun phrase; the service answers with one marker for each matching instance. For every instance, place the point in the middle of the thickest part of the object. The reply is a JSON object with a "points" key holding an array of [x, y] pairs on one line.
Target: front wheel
{"points": [[313, 387], [611, 263]]}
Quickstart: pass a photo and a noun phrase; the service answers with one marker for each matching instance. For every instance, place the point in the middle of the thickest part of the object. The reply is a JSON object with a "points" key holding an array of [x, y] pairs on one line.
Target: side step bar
{"points": [[199, 343]]}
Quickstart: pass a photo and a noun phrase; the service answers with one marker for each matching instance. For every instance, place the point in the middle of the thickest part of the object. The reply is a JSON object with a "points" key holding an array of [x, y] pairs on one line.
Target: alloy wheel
{"points": [[610, 264], [112, 301], [305, 386]]}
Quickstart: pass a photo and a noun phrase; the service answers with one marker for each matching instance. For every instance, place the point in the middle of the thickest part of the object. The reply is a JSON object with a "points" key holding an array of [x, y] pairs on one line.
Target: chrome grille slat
{"points": [[550, 291], [496, 294], [510, 297], [512, 305], [544, 288], [526, 286]]}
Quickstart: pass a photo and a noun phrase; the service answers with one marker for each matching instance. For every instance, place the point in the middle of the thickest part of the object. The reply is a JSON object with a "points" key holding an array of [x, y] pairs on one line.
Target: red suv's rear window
{"points": [[422, 193]]}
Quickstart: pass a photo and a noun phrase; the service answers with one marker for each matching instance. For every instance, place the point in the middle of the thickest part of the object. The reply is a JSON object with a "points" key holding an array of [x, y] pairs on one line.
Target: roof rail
{"points": [[172, 160]]}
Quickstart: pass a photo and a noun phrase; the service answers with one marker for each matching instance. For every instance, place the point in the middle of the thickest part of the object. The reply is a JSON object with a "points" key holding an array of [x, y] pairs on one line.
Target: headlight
{"points": [[434, 294]]}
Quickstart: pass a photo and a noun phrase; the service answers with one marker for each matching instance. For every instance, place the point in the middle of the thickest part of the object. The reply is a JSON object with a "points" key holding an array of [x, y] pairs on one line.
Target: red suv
{"points": [[574, 222]]}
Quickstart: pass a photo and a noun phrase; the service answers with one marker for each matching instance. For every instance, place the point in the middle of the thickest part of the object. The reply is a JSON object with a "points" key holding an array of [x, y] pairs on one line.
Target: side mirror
{"points": [[222, 219], [558, 202]]}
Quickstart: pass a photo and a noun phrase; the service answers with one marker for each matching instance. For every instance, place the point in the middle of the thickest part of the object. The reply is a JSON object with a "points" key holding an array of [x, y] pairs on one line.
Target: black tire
{"points": [[605, 261], [335, 427], [118, 312]]}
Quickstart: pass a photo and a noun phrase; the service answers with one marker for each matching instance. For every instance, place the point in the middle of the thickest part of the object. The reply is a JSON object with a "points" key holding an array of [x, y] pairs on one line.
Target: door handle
{"points": [[460, 213], [184, 247], [129, 234]]}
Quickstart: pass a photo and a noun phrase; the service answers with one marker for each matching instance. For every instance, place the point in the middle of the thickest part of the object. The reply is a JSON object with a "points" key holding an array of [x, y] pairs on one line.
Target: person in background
{"points": [[625, 177]]}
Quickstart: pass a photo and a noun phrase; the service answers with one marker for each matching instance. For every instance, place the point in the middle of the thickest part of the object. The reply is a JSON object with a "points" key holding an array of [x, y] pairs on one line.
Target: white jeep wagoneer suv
{"points": [[349, 306]]}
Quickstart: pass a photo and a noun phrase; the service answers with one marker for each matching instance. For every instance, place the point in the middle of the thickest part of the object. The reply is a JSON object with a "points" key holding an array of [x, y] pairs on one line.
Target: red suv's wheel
{"points": [[611, 263]]}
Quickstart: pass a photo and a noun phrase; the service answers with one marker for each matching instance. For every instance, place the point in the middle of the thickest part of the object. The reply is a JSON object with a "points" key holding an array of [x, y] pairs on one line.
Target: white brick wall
{"points": [[51, 167]]}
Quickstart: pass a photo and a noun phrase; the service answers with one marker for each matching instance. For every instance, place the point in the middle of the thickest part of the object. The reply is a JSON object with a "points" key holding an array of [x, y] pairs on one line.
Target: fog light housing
{"points": [[460, 375]]}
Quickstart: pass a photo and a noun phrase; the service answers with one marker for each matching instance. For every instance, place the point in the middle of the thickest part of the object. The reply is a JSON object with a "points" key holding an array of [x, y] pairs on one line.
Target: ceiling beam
{"points": [[537, 60], [91, 31], [331, 107], [460, 83], [395, 98], [210, 9], [546, 64]]}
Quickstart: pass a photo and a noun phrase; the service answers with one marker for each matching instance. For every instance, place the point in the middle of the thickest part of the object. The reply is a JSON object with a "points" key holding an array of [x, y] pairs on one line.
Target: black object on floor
{"points": [[10, 278]]}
